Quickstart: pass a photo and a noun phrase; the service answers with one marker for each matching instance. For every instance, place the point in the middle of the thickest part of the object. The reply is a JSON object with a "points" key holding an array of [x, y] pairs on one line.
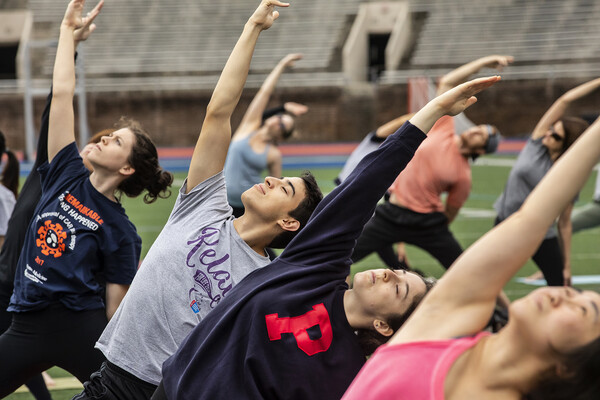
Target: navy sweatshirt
{"points": [[282, 332]]}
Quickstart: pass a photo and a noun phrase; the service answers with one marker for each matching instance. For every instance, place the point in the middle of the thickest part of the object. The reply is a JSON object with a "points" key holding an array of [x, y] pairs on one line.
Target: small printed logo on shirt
{"points": [[194, 306], [34, 275], [51, 239]]}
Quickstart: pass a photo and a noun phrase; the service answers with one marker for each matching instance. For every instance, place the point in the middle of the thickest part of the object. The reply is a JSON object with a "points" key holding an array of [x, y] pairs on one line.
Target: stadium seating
{"points": [[165, 44]]}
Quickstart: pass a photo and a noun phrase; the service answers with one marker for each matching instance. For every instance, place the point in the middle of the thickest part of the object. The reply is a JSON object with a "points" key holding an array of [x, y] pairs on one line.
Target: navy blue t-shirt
{"points": [[76, 235], [282, 333]]}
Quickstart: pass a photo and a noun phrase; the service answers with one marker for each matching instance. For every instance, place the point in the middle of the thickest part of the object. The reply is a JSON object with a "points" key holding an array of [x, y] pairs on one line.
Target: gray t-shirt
{"points": [[194, 262], [532, 164]]}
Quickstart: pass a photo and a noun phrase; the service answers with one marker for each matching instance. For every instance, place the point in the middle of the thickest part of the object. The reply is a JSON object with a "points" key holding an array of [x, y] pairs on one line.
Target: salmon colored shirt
{"points": [[437, 167], [409, 371]]}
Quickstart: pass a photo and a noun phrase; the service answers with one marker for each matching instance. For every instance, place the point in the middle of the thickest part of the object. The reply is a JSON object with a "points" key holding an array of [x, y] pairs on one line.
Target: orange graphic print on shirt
{"points": [[51, 239]]}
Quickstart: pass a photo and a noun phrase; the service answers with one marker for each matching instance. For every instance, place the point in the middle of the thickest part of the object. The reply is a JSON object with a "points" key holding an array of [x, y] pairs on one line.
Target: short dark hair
{"points": [[574, 127], [582, 382], [148, 174], [371, 339], [301, 213]]}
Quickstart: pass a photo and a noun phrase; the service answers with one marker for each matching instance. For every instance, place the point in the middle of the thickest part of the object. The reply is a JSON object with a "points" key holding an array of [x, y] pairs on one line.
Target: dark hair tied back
{"points": [[148, 174]]}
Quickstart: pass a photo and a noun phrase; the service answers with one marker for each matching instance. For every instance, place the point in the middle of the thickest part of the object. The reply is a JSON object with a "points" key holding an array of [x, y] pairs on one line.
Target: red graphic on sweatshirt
{"points": [[298, 326], [51, 239]]}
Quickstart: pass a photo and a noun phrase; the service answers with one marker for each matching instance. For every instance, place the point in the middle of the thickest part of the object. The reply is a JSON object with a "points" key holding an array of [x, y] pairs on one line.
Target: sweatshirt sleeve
{"points": [[331, 233]]}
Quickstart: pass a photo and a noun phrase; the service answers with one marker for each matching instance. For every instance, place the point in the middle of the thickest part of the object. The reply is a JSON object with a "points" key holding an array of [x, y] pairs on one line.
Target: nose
{"points": [[386, 276], [271, 182], [104, 139]]}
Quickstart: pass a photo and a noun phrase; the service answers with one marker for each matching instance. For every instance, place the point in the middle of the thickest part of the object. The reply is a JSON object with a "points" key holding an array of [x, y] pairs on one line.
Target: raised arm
{"points": [[392, 126], [463, 300], [211, 148], [462, 73], [358, 195], [253, 117], [61, 126], [558, 108]]}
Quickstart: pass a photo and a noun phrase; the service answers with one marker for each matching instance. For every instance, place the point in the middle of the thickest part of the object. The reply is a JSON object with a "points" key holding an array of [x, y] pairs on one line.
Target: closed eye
{"points": [[397, 290], [284, 190]]}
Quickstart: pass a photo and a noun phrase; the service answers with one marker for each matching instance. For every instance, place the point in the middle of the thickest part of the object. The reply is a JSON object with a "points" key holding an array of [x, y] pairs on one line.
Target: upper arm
{"points": [[61, 123], [457, 195], [211, 149], [115, 293]]}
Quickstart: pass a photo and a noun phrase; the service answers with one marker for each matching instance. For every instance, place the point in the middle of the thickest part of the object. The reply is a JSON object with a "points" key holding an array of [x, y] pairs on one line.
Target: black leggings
{"points": [[36, 385], [550, 260], [38, 340], [392, 224]]}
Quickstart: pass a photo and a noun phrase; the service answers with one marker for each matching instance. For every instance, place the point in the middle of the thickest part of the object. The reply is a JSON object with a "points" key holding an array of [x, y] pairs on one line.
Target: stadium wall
{"points": [[336, 113]]}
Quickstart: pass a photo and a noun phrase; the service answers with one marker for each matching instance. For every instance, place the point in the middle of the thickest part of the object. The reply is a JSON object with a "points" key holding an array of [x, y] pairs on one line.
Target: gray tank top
{"points": [[532, 164]]}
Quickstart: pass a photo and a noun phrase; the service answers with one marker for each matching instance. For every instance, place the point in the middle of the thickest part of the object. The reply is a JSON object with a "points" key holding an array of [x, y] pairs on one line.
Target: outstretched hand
{"points": [[290, 59], [295, 108], [82, 33], [458, 99], [498, 62], [265, 14], [451, 102]]}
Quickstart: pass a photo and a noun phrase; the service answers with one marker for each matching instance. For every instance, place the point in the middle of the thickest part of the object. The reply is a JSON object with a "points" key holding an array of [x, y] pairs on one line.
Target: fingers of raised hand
{"points": [[479, 84]]}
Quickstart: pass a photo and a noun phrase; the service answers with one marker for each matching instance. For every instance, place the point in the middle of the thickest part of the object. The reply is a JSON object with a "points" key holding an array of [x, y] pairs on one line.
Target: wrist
{"points": [[66, 24], [253, 26]]}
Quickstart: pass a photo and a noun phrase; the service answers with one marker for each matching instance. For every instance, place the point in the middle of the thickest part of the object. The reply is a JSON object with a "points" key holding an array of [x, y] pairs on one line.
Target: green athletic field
{"points": [[475, 219]]}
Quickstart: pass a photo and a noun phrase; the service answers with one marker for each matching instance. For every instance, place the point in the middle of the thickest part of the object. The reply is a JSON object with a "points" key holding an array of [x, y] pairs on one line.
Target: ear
{"points": [[382, 327], [127, 170], [289, 224]]}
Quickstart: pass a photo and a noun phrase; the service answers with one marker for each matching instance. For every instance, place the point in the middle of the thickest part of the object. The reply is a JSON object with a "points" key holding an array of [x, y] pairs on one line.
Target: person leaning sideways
{"points": [[551, 137], [79, 231], [550, 348], [415, 213], [202, 253]]}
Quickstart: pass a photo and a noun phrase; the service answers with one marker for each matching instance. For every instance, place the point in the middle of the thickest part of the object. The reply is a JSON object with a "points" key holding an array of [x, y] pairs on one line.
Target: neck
{"points": [[255, 233], [105, 183], [554, 155], [506, 364], [354, 314]]}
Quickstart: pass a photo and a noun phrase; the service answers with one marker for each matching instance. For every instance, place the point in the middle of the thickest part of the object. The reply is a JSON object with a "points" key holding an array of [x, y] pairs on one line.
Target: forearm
{"points": [[231, 83], [426, 117], [253, 116], [63, 78], [560, 106], [61, 124], [461, 74], [114, 295]]}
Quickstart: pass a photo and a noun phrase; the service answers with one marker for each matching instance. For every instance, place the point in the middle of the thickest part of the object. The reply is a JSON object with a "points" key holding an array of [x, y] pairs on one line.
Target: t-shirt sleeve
{"points": [[459, 192], [67, 166], [121, 265], [208, 198], [331, 232]]}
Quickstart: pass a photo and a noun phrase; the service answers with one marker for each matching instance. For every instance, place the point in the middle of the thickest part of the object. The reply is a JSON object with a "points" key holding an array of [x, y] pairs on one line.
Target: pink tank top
{"points": [[409, 371]]}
